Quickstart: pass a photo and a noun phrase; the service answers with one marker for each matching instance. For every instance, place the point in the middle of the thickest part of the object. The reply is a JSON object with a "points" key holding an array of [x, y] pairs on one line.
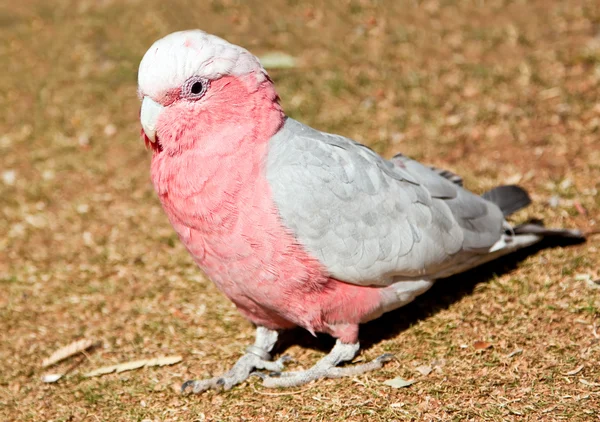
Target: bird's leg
{"points": [[257, 357], [327, 367]]}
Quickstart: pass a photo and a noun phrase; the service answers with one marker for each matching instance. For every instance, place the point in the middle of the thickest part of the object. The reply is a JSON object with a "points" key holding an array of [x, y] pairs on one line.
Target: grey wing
{"points": [[481, 220], [368, 220], [402, 160]]}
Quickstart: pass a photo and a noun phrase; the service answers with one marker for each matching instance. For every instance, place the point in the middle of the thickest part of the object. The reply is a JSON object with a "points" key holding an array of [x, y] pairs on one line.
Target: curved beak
{"points": [[148, 117]]}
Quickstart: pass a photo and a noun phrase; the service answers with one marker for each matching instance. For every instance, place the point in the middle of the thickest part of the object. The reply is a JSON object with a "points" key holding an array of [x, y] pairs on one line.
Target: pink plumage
{"points": [[212, 184]]}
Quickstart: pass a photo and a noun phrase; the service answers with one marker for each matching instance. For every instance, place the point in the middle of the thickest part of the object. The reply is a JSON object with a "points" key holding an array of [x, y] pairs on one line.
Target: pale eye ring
{"points": [[194, 88]]}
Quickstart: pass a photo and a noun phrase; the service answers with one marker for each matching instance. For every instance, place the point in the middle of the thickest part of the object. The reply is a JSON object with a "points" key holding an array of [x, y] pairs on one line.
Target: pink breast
{"points": [[218, 199], [240, 243]]}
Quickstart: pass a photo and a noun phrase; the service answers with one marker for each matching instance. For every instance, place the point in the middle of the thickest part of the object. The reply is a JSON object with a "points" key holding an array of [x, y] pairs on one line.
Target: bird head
{"points": [[195, 86]]}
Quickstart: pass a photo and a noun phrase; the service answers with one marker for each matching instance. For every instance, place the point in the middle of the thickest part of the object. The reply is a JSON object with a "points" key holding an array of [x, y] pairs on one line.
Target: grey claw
{"points": [[386, 357], [186, 385], [221, 381], [274, 374], [285, 359], [258, 374]]}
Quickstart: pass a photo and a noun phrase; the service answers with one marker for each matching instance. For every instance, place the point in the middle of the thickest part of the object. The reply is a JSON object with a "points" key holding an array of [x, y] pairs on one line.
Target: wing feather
{"points": [[371, 221]]}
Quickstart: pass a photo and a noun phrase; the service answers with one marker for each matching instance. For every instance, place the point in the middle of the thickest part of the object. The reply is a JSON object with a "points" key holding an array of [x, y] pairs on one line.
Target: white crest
{"points": [[172, 60]]}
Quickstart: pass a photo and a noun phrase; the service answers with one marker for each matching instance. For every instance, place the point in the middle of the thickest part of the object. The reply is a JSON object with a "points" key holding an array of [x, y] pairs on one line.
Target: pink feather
{"points": [[208, 170]]}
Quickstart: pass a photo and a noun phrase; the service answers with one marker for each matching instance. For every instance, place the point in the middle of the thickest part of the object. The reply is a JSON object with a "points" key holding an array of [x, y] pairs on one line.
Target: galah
{"points": [[295, 226]]}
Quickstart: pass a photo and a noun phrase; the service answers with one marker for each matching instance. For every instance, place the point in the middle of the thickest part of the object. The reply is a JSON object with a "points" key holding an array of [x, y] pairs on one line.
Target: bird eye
{"points": [[197, 88], [194, 88]]}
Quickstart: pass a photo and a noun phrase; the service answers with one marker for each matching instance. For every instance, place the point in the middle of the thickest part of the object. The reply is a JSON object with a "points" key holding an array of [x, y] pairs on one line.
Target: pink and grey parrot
{"points": [[295, 226]]}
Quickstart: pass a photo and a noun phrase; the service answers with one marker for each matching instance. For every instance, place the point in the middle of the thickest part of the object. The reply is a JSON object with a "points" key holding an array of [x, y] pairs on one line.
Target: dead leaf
{"points": [[438, 363], [575, 371], [50, 378], [588, 279], [130, 366], [164, 361], [482, 345], [101, 371], [589, 384], [424, 370], [514, 353], [67, 351], [135, 364], [398, 383]]}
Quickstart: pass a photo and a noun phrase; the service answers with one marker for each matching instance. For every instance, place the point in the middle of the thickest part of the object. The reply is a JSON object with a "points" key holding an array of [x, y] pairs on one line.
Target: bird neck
{"points": [[230, 140]]}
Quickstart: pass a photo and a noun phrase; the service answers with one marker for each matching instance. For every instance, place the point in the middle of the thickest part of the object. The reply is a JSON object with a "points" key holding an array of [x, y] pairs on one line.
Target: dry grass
{"points": [[497, 90]]}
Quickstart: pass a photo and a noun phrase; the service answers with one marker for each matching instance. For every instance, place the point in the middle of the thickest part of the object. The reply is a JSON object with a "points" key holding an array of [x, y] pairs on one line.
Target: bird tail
{"points": [[512, 198], [536, 227], [509, 198], [528, 234]]}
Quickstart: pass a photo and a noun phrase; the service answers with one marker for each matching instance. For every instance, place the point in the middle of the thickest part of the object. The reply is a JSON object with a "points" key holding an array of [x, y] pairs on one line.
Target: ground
{"points": [[500, 91]]}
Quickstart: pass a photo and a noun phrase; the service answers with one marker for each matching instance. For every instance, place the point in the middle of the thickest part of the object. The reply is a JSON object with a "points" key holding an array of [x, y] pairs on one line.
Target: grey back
{"points": [[371, 221]]}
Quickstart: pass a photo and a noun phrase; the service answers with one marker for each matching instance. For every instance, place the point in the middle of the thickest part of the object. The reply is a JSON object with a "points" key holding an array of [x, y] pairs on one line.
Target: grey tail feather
{"points": [[509, 198], [537, 228]]}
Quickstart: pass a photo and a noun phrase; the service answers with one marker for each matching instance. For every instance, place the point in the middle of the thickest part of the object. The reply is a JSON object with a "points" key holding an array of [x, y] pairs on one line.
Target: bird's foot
{"points": [[236, 375], [257, 357], [326, 368]]}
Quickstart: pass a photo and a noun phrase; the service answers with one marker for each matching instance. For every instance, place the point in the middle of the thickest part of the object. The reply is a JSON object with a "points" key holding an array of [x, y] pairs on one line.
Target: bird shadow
{"points": [[444, 293]]}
